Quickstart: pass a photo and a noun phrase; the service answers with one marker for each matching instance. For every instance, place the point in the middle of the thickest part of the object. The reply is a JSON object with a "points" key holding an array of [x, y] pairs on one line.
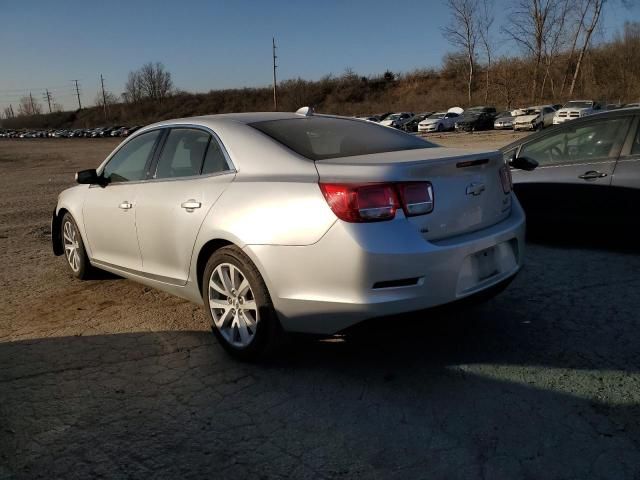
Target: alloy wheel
{"points": [[233, 305], [70, 238]]}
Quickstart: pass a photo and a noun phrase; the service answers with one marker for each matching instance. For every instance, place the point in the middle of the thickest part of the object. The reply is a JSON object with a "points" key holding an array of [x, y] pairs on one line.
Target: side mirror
{"points": [[524, 163], [90, 177]]}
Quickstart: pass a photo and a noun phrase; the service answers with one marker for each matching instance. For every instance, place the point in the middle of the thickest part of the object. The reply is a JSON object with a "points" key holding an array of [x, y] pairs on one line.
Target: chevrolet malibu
{"points": [[279, 222]]}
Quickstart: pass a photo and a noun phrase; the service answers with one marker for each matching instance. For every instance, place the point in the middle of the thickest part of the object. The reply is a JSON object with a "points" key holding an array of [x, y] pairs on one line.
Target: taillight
{"points": [[377, 201], [416, 198], [505, 179], [361, 203]]}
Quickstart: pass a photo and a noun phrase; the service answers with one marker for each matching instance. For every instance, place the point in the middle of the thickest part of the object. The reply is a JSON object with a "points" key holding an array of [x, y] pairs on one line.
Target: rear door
{"points": [[109, 212], [576, 166], [191, 171]]}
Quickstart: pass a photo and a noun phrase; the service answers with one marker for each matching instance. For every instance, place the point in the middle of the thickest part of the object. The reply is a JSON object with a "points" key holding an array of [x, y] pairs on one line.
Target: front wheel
{"points": [[74, 250], [239, 306]]}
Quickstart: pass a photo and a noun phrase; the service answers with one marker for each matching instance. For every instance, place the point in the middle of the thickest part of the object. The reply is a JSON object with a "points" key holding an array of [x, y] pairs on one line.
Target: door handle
{"points": [[592, 175], [190, 205], [125, 205]]}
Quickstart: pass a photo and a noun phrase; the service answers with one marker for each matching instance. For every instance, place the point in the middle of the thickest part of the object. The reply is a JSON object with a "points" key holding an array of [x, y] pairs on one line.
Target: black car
{"points": [[580, 172], [476, 118], [412, 125]]}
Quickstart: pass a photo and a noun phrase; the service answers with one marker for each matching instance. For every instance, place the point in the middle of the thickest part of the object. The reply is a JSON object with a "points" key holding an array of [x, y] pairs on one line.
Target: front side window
{"points": [[129, 163], [320, 138], [183, 153], [586, 142]]}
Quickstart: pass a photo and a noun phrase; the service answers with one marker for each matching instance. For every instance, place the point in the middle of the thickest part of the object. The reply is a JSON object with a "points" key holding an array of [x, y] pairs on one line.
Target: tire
{"points": [[440, 129], [74, 250], [253, 334]]}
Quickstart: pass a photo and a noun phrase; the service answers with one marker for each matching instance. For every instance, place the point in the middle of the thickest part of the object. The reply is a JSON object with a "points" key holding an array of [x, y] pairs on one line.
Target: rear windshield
{"points": [[320, 138]]}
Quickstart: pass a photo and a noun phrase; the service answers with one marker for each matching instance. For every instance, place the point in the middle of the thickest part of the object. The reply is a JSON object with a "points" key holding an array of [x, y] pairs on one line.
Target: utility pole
{"points": [[104, 98], [78, 94], [33, 109], [275, 90], [48, 98]]}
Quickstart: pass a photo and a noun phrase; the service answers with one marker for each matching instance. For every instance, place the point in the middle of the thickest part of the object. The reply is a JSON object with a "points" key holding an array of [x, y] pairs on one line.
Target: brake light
{"points": [[416, 198], [377, 201], [361, 203], [505, 179]]}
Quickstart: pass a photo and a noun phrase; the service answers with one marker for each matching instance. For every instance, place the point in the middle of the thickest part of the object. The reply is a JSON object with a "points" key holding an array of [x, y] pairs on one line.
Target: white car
{"points": [[575, 109], [535, 118], [397, 120], [296, 222], [438, 122]]}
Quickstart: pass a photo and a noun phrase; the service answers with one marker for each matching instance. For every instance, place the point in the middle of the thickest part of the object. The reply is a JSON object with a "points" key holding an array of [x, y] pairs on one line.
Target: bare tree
{"points": [[556, 41], [29, 106], [155, 81], [485, 29], [108, 96], [530, 25], [152, 81], [7, 112], [133, 88], [594, 7], [462, 33]]}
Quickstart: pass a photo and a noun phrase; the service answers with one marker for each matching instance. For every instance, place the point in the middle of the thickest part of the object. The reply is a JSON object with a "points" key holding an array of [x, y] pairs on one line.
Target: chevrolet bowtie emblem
{"points": [[475, 189]]}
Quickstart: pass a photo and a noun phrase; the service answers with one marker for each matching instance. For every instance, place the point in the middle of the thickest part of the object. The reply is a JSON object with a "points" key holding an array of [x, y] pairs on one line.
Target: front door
{"points": [[576, 163], [110, 212]]}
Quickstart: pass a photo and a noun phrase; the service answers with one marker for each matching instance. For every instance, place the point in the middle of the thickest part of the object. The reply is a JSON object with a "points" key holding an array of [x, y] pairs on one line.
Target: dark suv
{"points": [[476, 118]]}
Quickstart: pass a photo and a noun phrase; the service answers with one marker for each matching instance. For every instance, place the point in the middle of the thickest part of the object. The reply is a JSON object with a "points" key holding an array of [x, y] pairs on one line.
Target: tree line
{"points": [[561, 56]]}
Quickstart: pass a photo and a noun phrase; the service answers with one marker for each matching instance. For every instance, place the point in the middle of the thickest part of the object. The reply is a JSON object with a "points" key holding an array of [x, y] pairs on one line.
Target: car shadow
{"points": [[480, 393]]}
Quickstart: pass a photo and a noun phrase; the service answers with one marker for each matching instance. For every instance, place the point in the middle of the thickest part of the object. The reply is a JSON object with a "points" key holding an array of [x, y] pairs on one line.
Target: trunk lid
{"points": [[467, 188]]}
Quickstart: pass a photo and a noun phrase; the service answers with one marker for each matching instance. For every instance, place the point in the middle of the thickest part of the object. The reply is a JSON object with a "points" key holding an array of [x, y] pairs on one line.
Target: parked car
{"points": [[369, 118], [397, 120], [476, 118], [412, 125], [337, 220], [535, 118], [504, 121], [588, 169], [438, 122], [575, 109], [129, 130]]}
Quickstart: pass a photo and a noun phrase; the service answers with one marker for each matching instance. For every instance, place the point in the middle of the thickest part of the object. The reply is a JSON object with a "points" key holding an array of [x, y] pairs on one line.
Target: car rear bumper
{"points": [[351, 274]]}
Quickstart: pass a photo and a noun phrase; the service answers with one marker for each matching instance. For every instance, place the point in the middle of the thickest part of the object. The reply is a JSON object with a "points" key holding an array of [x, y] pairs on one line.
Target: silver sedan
{"points": [[282, 222]]}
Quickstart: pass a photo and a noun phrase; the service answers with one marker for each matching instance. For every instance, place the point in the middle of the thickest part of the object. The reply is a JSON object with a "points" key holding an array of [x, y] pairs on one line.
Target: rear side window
{"points": [[214, 161], [183, 153], [320, 138], [128, 164]]}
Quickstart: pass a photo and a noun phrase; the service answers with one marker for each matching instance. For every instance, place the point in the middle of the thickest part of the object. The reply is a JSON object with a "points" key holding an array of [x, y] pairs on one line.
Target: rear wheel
{"points": [[74, 250], [239, 306]]}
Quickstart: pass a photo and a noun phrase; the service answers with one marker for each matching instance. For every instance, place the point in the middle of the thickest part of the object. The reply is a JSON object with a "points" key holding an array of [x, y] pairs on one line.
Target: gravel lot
{"points": [[111, 379]]}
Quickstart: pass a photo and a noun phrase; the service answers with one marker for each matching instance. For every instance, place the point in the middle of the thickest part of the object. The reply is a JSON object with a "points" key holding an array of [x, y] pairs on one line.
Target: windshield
{"points": [[320, 138], [504, 114], [578, 104], [436, 116], [395, 116]]}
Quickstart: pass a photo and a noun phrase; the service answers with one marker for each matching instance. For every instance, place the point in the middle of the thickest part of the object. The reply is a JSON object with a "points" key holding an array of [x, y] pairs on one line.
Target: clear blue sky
{"points": [[216, 44]]}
